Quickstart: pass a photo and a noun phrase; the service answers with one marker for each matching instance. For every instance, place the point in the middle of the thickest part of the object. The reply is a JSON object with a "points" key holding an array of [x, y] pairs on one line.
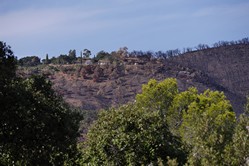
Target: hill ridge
{"points": [[99, 86]]}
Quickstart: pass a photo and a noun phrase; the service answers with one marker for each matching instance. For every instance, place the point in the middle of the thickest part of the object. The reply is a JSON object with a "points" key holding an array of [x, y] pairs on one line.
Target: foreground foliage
{"points": [[36, 126], [168, 127], [207, 127], [237, 150], [130, 136]]}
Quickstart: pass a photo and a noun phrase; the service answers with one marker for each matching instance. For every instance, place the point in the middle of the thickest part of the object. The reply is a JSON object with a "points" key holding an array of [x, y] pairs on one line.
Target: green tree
{"points": [[130, 135], [148, 130], [72, 54], [46, 60], [62, 59], [205, 122], [29, 61], [81, 57], [7, 63], [157, 96], [122, 52], [207, 128], [36, 126], [179, 105], [103, 55], [86, 53], [237, 151]]}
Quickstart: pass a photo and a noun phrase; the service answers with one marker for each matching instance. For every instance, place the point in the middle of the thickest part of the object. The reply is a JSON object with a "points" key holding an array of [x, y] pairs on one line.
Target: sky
{"points": [[53, 27]]}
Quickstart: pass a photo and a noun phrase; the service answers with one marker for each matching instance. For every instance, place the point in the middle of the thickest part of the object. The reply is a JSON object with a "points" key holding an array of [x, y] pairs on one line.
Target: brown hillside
{"points": [[227, 67], [100, 86]]}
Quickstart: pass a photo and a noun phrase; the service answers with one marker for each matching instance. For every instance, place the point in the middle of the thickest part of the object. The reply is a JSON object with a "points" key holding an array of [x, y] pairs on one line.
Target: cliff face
{"points": [[96, 86]]}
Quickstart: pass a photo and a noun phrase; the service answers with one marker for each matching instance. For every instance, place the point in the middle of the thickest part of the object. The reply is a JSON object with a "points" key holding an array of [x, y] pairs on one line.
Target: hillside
{"points": [[103, 85], [226, 67]]}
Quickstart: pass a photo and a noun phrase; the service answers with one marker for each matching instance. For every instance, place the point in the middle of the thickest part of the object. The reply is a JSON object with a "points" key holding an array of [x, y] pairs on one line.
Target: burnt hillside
{"points": [[104, 85], [226, 66]]}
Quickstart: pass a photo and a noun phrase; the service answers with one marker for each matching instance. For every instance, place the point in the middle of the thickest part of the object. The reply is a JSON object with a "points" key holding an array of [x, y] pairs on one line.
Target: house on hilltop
{"points": [[133, 61], [88, 62], [104, 62]]}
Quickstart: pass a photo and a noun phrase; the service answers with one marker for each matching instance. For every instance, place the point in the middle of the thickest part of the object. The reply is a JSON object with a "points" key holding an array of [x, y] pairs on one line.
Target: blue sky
{"points": [[38, 27]]}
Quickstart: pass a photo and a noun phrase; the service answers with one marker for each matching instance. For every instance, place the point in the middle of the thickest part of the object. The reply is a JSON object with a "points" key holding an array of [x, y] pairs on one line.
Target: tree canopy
{"points": [[131, 135], [164, 124], [29, 61], [207, 128], [157, 95], [7, 62], [237, 150], [36, 126]]}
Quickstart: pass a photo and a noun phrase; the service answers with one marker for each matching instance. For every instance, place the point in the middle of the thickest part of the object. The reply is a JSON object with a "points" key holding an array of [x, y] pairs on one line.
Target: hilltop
{"points": [[100, 84]]}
